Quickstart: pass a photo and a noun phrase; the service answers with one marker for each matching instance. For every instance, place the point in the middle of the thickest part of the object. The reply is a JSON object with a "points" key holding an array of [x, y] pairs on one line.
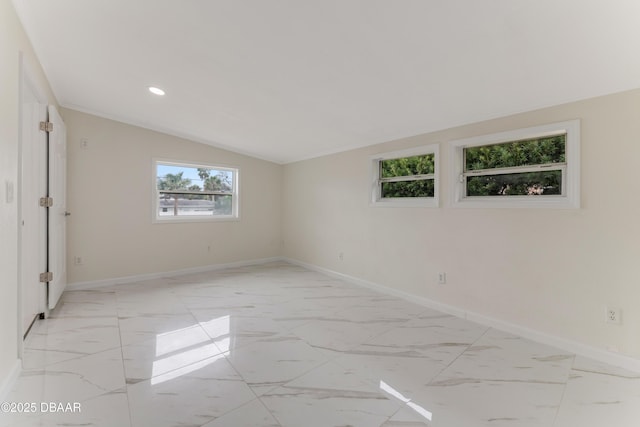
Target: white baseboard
{"points": [[611, 358], [93, 284], [7, 383]]}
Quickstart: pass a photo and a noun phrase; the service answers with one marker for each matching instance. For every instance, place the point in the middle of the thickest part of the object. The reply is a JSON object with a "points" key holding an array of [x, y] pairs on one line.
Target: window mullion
{"points": [[407, 178], [197, 193], [515, 169]]}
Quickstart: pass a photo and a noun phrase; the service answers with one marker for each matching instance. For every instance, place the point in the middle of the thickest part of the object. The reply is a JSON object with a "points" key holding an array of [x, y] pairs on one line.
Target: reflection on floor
{"points": [[278, 345]]}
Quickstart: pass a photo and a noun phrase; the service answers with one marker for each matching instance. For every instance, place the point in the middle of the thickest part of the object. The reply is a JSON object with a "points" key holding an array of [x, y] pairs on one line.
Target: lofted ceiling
{"points": [[286, 80]]}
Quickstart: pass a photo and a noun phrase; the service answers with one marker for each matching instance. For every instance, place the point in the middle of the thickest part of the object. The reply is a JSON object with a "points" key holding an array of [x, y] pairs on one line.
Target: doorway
{"points": [[42, 208]]}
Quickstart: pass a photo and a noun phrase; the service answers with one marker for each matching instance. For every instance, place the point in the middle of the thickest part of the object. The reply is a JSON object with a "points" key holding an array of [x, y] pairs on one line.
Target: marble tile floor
{"points": [[278, 345]]}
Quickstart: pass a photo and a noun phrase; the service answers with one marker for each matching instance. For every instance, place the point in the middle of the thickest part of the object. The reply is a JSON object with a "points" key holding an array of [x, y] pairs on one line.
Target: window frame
{"points": [[235, 199], [376, 180], [570, 197]]}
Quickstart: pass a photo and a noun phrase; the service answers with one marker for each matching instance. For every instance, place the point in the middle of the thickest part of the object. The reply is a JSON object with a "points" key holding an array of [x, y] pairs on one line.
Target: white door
{"points": [[33, 220], [58, 212]]}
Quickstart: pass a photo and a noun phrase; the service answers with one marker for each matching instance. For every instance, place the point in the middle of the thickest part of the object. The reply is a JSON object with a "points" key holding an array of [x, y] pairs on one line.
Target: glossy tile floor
{"points": [[278, 345]]}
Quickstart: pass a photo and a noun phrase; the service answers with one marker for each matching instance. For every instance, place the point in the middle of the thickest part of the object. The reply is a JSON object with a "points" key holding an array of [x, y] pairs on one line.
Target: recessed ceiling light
{"points": [[156, 90]]}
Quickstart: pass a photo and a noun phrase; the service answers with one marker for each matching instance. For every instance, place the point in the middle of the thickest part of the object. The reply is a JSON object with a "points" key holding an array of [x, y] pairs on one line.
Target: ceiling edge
{"points": [[166, 131]]}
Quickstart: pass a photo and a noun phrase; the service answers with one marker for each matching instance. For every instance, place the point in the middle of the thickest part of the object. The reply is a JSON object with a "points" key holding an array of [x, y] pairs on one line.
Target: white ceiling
{"points": [[286, 80]]}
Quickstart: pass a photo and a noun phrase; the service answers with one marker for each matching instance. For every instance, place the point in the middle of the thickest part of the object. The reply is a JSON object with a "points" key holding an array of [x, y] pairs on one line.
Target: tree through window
{"points": [[532, 167], [407, 177]]}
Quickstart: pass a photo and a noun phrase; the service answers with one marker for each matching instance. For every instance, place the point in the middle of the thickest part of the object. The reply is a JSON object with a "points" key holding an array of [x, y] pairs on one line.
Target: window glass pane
{"points": [[185, 191], [174, 177], [222, 205], [419, 188], [175, 204], [518, 153], [407, 166], [516, 184]]}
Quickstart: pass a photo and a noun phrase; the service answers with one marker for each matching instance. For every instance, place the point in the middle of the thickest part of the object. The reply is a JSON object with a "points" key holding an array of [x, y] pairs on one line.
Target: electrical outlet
{"points": [[77, 260], [442, 278], [613, 315], [341, 256]]}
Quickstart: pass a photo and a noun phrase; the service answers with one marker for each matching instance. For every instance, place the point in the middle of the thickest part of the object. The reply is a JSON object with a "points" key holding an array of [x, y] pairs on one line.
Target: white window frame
{"points": [[235, 199], [570, 197], [375, 194]]}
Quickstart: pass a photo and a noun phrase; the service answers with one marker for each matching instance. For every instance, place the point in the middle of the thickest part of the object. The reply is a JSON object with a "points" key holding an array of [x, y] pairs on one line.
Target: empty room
{"points": [[319, 213]]}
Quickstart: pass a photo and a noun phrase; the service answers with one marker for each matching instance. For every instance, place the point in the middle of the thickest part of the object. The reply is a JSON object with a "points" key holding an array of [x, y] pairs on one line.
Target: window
{"points": [[188, 192], [534, 167], [405, 178]]}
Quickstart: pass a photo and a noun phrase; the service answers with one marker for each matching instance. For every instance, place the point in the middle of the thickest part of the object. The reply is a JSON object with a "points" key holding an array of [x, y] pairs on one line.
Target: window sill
{"points": [[179, 220], [409, 203], [516, 202]]}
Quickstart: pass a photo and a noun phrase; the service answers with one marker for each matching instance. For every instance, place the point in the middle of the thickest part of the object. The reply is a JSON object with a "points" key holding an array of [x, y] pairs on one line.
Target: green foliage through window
{"points": [[538, 151], [516, 184], [407, 166], [528, 154], [419, 188], [405, 177]]}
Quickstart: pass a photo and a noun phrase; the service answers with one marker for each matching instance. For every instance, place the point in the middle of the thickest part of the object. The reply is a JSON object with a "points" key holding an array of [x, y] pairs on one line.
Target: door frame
{"points": [[57, 213]]}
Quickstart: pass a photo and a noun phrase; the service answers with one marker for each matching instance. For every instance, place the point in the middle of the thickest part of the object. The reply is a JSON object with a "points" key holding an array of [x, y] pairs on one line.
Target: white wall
{"points": [[110, 195], [552, 271], [12, 41]]}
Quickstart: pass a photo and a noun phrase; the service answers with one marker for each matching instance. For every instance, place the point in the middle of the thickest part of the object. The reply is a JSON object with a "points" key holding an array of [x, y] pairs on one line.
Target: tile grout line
{"points": [[564, 390], [124, 371]]}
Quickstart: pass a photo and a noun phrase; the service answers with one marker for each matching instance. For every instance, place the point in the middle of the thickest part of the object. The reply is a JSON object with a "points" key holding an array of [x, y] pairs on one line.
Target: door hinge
{"points": [[46, 126], [46, 277], [46, 202]]}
